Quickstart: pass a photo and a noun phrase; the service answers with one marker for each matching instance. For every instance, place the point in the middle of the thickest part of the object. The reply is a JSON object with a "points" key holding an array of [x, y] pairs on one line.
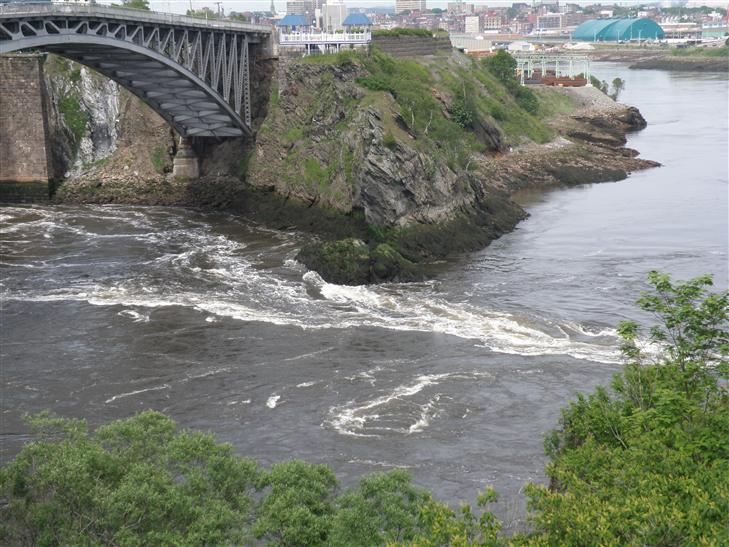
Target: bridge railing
{"points": [[323, 38], [29, 9]]}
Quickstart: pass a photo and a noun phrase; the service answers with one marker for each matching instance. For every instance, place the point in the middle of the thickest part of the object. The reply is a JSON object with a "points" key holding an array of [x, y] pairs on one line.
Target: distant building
{"points": [[410, 5], [473, 25], [305, 8], [615, 30], [334, 12], [458, 8], [520, 46], [550, 21], [492, 22]]}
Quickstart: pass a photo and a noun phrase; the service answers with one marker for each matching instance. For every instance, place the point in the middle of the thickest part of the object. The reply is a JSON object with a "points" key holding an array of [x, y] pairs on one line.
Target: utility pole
{"points": [[221, 12]]}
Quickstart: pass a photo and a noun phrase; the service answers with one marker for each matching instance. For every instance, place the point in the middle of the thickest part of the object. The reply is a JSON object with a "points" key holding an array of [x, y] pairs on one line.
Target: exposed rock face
{"points": [[341, 159], [328, 143], [337, 159], [84, 111]]}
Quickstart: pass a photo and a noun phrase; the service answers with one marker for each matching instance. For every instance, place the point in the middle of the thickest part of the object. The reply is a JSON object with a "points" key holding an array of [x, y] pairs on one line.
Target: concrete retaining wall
{"points": [[411, 46]]}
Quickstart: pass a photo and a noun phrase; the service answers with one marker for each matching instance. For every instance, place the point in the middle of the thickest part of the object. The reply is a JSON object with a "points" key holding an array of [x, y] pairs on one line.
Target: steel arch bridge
{"points": [[194, 73]]}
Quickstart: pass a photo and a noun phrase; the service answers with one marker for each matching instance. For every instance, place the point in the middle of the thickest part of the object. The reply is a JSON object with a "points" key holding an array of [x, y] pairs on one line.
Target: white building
{"points": [[334, 12], [473, 24], [410, 5], [521, 47]]}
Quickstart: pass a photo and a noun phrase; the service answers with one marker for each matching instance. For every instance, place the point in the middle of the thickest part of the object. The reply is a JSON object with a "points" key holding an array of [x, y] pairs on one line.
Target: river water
{"points": [[108, 310]]}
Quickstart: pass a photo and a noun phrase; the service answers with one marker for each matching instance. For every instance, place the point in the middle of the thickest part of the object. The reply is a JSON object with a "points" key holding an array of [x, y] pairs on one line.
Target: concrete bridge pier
{"points": [[26, 164], [185, 165]]}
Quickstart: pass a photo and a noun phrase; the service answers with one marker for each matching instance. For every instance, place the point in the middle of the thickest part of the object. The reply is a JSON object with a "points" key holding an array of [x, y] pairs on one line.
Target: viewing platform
{"points": [[566, 69]]}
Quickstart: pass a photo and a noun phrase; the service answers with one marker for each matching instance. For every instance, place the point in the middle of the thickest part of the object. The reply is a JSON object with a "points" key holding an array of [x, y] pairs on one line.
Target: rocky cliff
{"points": [[393, 163], [425, 154]]}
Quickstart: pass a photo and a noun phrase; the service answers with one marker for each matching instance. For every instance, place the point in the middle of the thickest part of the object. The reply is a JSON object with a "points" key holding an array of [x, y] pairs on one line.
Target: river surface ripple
{"points": [[108, 310]]}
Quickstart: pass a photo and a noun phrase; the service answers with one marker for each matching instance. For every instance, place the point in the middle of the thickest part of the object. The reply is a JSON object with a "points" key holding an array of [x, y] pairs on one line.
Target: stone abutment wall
{"points": [[25, 163]]}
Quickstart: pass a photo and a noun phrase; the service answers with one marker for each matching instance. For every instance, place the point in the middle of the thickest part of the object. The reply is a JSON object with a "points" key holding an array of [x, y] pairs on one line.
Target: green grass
{"points": [[159, 159], [75, 75], [552, 102], [389, 141], [275, 96], [75, 117], [343, 58], [722, 51], [243, 164], [403, 32], [294, 134]]}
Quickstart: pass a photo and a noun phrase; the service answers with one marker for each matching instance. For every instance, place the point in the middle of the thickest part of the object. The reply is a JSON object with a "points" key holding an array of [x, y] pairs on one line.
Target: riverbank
{"points": [[388, 193], [673, 62], [663, 59]]}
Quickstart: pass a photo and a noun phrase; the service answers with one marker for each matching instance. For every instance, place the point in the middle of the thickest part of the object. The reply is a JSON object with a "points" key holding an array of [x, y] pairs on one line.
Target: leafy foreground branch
{"points": [[645, 463]]}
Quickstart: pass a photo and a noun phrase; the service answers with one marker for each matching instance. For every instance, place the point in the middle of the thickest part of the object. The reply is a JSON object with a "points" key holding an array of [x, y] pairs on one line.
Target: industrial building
{"points": [[618, 30]]}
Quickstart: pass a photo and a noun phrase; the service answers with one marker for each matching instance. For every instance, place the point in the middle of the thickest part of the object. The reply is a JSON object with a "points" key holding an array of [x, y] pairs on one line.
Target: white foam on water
{"points": [[305, 384], [211, 273], [135, 316], [423, 420], [381, 464], [307, 355], [131, 393], [353, 417], [273, 401]]}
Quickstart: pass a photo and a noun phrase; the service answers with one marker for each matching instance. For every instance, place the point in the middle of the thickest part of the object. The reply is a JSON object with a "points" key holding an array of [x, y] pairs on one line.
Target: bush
{"points": [[74, 116], [502, 65], [647, 462], [403, 32], [389, 141], [462, 113], [159, 159], [140, 481]]}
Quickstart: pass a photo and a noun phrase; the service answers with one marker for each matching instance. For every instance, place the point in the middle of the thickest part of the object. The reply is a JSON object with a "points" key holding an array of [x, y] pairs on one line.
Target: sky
{"points": [[180, 6]]}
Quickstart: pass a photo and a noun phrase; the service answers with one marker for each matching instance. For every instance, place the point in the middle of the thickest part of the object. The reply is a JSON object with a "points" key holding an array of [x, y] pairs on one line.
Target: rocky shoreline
{"points": [[672, 62], [662, 60], [387, 211]]}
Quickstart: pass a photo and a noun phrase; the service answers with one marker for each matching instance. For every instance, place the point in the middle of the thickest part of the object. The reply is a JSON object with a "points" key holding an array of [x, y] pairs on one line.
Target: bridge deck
{"points": [[28, 9], [194, 72]]}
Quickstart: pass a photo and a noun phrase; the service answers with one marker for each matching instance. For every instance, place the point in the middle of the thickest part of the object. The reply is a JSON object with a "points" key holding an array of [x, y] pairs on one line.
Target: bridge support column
{"points": [[26, 167], [185, 165]]}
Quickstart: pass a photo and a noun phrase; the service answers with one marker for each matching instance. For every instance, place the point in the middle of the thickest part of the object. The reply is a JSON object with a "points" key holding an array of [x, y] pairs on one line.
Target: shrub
{"points": [[403, 32], [159, 159], [389, 141], [647, 462], [462, 113], [74, 116]]}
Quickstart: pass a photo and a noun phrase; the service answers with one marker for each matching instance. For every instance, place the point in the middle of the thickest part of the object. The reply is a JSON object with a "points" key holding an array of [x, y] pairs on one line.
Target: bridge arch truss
{"points": [[194, 73]]}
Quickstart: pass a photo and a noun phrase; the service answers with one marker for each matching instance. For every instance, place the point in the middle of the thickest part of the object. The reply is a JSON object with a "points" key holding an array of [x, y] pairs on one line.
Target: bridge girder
{"points": [[197, 77]]}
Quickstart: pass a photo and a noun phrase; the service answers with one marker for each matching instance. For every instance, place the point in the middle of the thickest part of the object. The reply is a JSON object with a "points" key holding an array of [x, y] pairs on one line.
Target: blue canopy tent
{"points": [[356, 20]]}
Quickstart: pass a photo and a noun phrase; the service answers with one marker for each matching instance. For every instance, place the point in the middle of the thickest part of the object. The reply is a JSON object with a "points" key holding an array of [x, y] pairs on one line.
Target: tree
{"points": [[136, 4], [203, 13], [299, 506], [647, 462], [140, 481], [235, 16], [618, 87], [502, 65]]}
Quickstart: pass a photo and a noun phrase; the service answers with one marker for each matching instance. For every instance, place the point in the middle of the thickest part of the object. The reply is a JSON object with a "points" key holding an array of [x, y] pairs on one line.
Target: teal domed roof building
{"points": [[618, 30]]}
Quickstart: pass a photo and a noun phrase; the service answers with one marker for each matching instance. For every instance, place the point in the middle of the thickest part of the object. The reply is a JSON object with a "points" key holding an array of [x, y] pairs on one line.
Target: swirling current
{"points": [[107, 310]]}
